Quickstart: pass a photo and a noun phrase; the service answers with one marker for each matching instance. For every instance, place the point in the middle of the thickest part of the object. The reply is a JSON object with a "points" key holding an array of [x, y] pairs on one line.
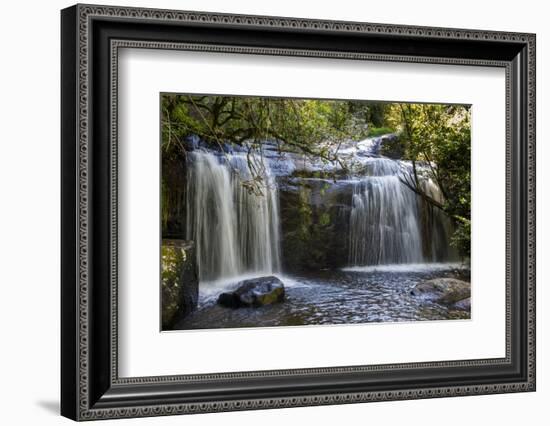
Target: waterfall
{"points": [[384, 221], [235, 231], [438, 228], [391, 224]]}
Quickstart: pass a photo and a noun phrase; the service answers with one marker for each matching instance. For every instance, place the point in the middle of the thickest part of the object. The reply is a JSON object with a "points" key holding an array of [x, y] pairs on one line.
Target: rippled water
{"points": [[357, 295]]}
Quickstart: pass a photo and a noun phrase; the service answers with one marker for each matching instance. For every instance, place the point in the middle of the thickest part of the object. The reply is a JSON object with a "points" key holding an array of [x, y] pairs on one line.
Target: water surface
{"points": [[351, 296]]}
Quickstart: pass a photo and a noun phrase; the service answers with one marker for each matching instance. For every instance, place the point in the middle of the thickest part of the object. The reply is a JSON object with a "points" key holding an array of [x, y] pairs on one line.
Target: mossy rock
{"points": [[254, 293], [314, 217], [180, 282]]}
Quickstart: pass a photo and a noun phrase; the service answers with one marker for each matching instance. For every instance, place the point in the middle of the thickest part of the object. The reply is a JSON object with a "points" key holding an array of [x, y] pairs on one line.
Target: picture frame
{"points": [[90, 384]]}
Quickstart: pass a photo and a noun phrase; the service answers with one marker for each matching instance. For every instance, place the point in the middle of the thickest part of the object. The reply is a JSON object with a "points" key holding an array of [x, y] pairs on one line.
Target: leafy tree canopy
{"points": [[308, 126]]}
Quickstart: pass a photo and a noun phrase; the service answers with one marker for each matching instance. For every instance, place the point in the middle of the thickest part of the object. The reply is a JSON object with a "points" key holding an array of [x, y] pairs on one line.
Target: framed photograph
{"points": [[263, 212]]}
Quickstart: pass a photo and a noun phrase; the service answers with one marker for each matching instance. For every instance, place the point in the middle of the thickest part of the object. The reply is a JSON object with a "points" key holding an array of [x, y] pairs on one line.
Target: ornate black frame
{"points": [[91, 37]]}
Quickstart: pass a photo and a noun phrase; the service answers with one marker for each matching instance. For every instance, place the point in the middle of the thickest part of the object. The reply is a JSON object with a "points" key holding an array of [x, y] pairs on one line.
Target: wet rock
{"points": [[447, 291], [463, 305], [314, 215], [191, 142], [180, 281], [392, 146], [254, 293]]}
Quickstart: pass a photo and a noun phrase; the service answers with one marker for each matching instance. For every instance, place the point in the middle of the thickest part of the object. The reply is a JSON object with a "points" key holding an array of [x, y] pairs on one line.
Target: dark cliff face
{"points": [[314, 223], [173, 196]]}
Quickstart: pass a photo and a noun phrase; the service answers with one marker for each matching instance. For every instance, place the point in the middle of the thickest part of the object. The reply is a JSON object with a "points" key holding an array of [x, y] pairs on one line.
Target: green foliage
{"points": [[461, 238], [379, 131], [372, 113], [307, 126], [437, 137]]}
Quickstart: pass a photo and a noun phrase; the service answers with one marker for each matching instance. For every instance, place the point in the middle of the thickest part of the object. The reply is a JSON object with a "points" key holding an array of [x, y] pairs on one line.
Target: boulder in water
{"points": [[463, 305], [254, 293], [447, 291]]}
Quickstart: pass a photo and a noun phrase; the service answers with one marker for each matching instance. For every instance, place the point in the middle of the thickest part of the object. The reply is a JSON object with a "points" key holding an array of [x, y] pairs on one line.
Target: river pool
{"points": [[348, 296]]}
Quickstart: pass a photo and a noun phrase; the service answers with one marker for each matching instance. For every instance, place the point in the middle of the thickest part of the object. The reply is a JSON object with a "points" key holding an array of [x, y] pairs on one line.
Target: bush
{"points": [[379, 131]]}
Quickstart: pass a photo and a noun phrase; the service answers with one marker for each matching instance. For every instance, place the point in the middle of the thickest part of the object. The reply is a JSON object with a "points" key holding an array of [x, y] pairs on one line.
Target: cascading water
{"points": [[384, 220], [391, 224], [235, 231], [437, 225]]}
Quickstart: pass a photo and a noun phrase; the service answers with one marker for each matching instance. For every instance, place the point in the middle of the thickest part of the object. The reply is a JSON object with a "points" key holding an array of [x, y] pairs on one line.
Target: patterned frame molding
{"points": [[86, 399], [118, 44]]}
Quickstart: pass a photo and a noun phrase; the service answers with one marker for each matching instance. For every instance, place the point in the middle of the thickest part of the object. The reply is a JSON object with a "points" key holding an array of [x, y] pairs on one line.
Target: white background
{"points": [[29, 225], [143, 351]]}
